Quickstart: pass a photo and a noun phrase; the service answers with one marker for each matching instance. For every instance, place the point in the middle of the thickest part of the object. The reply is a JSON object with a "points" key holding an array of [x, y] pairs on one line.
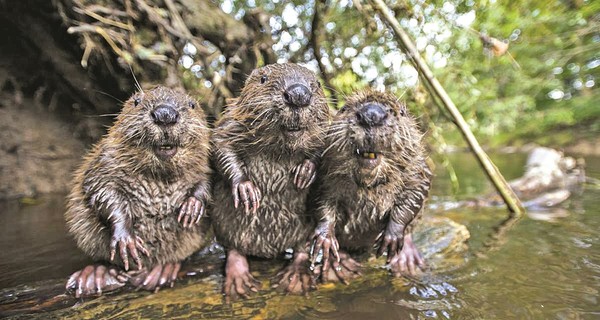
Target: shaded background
{"points": [[519, 71]]}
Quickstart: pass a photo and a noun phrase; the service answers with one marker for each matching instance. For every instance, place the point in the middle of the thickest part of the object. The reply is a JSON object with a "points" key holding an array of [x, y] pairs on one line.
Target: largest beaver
{"points": [[267, 145], [148, 172], [373, 184]]}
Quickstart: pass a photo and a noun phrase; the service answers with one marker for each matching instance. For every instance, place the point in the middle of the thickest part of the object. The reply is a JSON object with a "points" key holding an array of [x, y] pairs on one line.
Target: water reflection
{"points": [[34, 242]]}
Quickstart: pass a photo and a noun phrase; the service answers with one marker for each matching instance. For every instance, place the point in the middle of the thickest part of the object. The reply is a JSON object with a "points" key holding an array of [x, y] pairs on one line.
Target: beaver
{"points": [[267, 146], [141, 192], [373, 183]]}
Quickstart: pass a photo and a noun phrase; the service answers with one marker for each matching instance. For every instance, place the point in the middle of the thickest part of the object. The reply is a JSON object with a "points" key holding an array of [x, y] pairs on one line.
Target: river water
{"points": [[547, 266]]}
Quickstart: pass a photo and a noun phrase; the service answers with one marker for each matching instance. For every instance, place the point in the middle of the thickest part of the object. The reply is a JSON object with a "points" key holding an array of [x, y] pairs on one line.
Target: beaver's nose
{"points": [[165, 115], [371, 115], [297, 95]]}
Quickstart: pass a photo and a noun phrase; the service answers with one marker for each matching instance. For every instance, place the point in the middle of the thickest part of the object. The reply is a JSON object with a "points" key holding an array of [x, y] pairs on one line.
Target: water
{"points": [[537, 270], [34, 242]]}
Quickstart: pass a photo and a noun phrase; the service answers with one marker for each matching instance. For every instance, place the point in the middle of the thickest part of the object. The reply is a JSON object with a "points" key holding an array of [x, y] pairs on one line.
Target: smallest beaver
{"points": [[146, 175], [373, 184]]}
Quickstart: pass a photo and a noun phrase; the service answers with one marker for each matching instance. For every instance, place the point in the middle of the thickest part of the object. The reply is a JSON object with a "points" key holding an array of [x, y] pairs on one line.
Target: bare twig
{"points": [[89, 47], [104, 20], [105, 10], [104, 34]]}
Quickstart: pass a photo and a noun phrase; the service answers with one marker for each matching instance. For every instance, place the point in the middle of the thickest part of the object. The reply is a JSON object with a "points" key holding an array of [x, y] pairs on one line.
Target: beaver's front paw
{"points": [[127, 245], [390, 241], [248, 193], [342, 271], [305, 174], [324, 241], [191, 211]]}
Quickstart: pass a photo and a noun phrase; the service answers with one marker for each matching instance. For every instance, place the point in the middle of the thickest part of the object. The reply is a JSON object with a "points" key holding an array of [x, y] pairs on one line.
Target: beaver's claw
{"points": [[342, 271], [391, 240], [295, 278], [160, 276]]}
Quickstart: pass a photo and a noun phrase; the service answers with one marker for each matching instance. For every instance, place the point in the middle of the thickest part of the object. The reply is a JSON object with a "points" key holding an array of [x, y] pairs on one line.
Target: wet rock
{"points": [[441, 240]]}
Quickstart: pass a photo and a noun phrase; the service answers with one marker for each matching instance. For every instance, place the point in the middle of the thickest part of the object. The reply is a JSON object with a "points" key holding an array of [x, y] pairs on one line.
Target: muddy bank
{"points": [[38, 152]]}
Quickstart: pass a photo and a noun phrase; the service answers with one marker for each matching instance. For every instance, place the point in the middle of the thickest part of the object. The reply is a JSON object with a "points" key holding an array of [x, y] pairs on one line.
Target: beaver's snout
{"points": [[371, 115], [165, 115], [297, 95]]}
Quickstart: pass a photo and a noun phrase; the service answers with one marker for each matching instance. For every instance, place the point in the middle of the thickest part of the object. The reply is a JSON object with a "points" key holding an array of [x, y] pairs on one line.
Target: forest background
{"points": [[519, 71]]}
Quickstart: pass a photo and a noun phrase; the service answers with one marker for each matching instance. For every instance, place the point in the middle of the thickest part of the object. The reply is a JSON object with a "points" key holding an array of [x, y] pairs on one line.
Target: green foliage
{"points": [[546, 39], [548, 79], [347, 82]]}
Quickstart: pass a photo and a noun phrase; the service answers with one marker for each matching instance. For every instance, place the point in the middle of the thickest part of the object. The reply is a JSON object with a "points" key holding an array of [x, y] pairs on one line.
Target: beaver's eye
{"points": [[192, 104], [263, 79], [136, 102]]}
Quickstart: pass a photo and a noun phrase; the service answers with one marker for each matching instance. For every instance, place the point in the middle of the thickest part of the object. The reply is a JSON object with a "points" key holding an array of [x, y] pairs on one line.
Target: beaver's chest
{"points": [[362, 215], [156, 199], [275, 178]]}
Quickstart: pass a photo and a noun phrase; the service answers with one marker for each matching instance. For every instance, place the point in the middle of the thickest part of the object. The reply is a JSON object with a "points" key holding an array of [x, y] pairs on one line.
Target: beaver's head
{"points": [[283, 105], [163, 126], [373, 137]]}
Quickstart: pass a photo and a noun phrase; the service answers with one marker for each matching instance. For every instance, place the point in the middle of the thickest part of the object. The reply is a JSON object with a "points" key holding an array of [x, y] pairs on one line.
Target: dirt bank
{"points": [[38, 152]]}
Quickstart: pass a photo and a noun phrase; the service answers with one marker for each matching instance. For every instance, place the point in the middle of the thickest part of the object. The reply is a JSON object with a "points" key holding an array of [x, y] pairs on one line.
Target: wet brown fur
{"points": [[123, 171], [362, 201], [252, 140]]}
